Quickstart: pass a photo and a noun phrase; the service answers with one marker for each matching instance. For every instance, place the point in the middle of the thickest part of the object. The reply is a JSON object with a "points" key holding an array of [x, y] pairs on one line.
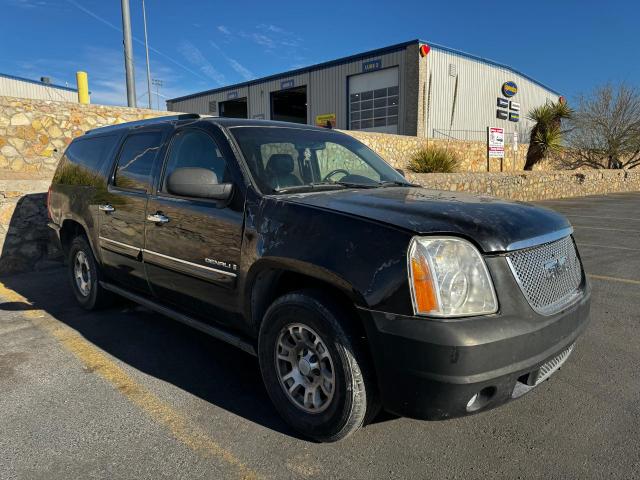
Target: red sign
{"points": [[424, 50]]}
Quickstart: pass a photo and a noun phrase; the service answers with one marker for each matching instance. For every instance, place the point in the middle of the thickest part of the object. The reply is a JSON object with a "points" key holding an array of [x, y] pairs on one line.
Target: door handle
{"points": [[157, 218], [107, 208]]}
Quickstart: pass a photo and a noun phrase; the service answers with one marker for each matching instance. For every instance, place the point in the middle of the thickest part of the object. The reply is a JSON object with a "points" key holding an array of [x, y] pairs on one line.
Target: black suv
{"points": [[356, 289]]}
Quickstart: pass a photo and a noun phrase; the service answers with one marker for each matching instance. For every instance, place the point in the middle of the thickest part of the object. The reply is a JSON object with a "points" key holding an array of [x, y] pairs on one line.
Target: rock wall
{"points": [[34, 133], [399, 149], [531, 186], [25, 240]]}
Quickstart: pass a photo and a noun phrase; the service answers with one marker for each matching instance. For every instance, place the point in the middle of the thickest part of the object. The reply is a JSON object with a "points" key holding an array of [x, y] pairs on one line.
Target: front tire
{"points": [[85, 276], [313, 368]]}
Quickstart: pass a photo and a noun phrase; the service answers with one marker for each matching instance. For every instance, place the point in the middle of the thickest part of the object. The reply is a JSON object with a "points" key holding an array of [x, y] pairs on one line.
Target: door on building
{"points": [[290, 105], [236, 108], [374, 101]]}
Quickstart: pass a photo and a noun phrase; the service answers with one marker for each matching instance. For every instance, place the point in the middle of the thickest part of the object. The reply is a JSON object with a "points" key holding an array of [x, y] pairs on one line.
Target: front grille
{"points": [[554, 364], [549, 275]]}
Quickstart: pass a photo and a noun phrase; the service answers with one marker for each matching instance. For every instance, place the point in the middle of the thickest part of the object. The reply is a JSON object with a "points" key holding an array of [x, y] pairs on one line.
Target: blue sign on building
{"points": [[509, 89], [286, 84], [232, 95], [372, 65]]}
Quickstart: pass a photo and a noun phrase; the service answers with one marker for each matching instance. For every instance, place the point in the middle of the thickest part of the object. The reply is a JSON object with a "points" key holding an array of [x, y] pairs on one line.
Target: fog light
{"points": [[480, 399]]}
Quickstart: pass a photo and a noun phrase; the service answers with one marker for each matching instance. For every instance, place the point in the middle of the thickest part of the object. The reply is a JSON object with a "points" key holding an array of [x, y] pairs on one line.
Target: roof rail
{"points": [[141, 123]]}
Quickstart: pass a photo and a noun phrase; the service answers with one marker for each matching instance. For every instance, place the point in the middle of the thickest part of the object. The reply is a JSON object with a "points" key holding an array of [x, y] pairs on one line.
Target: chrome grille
{"points": [[554, 364], [549, 275]]}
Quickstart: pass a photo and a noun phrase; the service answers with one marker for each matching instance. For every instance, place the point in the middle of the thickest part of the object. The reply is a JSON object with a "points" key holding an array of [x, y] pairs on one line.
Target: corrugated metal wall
{"points": [[260, 94], [326, 91], [479, 86], [12, 87]]}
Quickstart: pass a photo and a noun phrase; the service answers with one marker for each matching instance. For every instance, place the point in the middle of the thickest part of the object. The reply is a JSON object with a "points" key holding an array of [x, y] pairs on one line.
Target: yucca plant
{"points": [[547, 134], [433, 159]]}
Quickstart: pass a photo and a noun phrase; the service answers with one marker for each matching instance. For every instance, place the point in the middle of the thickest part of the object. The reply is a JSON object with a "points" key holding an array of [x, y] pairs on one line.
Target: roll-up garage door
{"points": [[374, 101]]}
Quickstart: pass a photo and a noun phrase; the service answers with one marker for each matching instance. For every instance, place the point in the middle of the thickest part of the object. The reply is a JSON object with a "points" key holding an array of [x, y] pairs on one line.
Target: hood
{"points": [[495, 225]]}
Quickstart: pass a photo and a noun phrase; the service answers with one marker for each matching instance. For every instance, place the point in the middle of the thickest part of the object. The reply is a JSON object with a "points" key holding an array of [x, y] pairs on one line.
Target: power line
{"points": [[135, 39]]}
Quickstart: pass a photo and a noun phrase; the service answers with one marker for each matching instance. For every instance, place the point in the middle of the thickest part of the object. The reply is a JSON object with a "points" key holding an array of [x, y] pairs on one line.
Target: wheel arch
{"points": [[269, 279]]}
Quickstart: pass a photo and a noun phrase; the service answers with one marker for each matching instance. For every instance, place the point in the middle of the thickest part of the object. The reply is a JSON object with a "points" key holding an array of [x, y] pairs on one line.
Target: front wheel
{"points": [[314, 371]]}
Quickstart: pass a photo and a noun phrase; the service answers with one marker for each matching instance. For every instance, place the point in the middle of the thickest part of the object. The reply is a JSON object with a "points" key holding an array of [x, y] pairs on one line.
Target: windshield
{"points": [[283, 159]]}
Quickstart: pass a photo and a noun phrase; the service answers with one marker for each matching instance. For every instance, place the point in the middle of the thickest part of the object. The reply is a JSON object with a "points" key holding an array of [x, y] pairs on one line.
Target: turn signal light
{"points": [[423, 288]]}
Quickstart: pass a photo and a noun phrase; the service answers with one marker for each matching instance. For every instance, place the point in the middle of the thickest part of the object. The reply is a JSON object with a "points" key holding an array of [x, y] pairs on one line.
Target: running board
{"points": [[215, 332]]}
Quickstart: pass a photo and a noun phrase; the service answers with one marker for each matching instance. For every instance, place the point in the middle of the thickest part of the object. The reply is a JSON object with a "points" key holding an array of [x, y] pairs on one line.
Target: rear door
{"points": [[192, 256], [122, 213]]}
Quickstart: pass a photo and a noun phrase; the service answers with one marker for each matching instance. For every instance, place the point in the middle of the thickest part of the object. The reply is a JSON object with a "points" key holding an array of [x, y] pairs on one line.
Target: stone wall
{"points": [[531, 186], [34, 133], [399, 149], [25, 239]]}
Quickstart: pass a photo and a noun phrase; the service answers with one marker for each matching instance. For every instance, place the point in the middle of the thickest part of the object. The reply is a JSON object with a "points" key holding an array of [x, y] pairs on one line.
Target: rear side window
{"points": [[136, 161], [84, 159]]}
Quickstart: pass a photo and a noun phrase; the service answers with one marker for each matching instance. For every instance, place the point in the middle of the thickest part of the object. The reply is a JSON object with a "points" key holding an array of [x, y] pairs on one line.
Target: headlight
{"points": [[449, 278]]}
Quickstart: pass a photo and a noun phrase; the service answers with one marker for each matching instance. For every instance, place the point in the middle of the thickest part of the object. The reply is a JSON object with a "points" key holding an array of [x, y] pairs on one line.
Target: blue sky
{"points": [[569, 45]]}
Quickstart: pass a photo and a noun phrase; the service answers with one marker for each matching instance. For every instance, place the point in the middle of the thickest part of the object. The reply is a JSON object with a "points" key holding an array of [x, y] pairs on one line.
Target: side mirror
{"points": [[400, 171], [199, 183]]}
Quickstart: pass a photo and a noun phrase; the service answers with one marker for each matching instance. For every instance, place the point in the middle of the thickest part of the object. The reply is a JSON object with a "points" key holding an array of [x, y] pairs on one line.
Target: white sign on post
{"points": [[515, 141], [496, 142]]}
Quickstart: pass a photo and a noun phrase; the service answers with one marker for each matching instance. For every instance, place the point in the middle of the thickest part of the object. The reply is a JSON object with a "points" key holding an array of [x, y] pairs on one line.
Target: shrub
{"points": [[433, 159]]}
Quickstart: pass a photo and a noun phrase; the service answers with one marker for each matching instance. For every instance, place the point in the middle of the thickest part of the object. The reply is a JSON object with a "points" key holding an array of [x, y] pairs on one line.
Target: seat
{"points": [[280, 171]]}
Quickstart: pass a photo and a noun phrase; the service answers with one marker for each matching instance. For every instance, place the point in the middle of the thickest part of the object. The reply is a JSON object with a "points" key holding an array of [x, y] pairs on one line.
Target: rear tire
{"points": [[306, 347], [85, 276]]}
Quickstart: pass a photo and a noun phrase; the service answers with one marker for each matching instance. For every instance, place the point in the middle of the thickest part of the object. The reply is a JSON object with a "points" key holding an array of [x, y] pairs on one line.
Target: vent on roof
{"points": [[46, 80], [453, 71], [213, 107]]}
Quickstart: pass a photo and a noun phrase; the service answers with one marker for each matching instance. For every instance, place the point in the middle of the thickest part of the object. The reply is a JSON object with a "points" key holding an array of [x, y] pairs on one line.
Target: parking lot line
{"points": [[614, 279], [161, 412], [607, 229], [595, 245], [601, 217]]}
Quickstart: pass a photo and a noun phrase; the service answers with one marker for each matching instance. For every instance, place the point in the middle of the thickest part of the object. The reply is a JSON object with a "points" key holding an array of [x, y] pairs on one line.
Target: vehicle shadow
{"points": [[156, 345], [205, 367]]}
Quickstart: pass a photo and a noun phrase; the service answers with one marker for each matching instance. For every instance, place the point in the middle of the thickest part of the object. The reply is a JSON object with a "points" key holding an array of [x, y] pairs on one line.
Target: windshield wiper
{"points": [[310, 186], [395, 183]]}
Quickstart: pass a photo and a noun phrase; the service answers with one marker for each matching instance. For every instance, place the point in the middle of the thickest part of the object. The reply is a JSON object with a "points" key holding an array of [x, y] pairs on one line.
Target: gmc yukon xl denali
{"points": [[355, 289]]}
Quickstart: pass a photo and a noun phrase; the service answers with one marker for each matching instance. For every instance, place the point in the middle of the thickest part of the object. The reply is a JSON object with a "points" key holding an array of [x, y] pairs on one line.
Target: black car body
{"points": [[225, 260]]}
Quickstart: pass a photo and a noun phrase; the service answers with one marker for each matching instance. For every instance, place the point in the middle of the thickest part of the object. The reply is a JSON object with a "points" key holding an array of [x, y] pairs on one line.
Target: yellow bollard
{"points": [[83, 87]]}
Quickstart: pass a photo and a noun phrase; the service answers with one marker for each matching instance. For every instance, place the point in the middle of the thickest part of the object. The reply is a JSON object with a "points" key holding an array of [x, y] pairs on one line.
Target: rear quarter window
{"points": [[84, 159]]}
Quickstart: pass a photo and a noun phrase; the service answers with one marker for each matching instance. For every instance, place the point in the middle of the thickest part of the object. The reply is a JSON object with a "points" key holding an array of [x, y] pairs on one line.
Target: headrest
{"points": [[280, 163]]}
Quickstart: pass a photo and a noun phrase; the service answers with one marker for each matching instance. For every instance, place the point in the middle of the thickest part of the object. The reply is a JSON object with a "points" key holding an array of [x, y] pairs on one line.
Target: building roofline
{"points": [[490, 62], [299, 71], [351, 58], [37, 82]]}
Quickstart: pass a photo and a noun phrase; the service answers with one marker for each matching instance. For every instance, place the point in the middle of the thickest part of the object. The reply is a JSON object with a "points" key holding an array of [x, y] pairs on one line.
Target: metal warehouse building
{"points": [[413, 88], [12, 86]]}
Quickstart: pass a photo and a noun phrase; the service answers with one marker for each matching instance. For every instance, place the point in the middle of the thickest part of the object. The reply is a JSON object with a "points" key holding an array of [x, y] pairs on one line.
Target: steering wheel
{"points": [[333, 172]]}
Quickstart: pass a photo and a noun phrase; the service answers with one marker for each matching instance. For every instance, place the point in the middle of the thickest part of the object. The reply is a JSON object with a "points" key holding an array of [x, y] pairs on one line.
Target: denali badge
{"points": [[220, 263], [554, 268]]}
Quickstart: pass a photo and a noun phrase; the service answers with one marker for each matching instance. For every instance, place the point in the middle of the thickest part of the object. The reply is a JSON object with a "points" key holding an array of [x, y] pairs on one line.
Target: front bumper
{"points": [[431, 369]]}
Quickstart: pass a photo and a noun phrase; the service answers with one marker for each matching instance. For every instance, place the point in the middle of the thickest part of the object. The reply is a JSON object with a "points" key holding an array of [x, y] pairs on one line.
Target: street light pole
{"points": [[146, 47], [128, 54], [158, 83]]}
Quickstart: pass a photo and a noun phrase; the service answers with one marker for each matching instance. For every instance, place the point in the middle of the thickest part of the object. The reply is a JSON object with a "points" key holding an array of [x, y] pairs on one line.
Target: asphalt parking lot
{"points": [[125, 393]]}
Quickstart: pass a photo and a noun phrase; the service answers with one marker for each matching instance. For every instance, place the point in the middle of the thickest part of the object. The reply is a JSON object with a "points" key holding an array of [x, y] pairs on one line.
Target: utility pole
{"points": [[146, 47], [158, 83], [128, 54]]}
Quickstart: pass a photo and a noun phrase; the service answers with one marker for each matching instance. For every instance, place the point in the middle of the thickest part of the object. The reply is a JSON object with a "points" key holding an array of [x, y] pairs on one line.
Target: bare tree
{"points": [[605, 129]]}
